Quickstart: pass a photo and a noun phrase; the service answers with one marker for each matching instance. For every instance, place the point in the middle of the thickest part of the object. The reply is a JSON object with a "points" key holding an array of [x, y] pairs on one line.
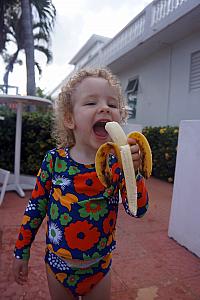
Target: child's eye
{"points": [[113, 105], [90, 103]]}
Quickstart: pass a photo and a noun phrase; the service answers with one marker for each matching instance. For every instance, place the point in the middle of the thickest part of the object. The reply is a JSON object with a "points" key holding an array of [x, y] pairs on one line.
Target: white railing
{"points": [[137, 29], [131, 32], [162, 8]]}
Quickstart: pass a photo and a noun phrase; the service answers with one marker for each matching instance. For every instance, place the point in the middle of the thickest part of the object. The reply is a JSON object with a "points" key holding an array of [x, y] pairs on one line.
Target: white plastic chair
{"points": [[5, 174]]}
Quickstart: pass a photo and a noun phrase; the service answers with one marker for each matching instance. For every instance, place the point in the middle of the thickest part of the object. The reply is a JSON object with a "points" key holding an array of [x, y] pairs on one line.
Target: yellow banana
{"points": [[146, 165], [123, 153], [102, 164]]}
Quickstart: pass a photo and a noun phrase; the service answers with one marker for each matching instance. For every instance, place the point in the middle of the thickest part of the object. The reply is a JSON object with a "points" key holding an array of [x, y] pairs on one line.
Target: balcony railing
{"points": [[137, 30], [162, 8]]}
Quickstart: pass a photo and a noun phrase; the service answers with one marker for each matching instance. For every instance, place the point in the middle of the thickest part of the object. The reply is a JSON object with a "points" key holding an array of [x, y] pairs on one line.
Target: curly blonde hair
{"points": [[63, 108]]}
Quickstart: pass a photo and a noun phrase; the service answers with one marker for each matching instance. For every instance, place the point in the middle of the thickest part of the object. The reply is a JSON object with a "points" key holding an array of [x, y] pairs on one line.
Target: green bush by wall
{"points": [[163, 142], [36, 140]]}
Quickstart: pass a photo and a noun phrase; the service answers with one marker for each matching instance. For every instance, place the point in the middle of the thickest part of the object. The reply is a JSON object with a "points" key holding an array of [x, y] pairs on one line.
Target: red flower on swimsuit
{"points": [[87, 284], [109, 222], [89, 183], [24, 238], [81, 235]]}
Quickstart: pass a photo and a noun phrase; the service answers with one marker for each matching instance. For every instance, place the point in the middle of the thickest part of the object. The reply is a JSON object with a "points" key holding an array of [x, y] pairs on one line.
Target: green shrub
{"points": [[163, 142], [7, 139], [36, 140]]}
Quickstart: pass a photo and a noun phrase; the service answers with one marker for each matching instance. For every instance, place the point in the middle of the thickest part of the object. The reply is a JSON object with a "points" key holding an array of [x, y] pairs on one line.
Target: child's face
{"points": [[95, 102]]}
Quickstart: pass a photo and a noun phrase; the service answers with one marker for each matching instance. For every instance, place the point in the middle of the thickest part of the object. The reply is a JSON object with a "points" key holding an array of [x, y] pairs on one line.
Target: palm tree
{"points": [[28, 45], [29, 25], [16, 35]]}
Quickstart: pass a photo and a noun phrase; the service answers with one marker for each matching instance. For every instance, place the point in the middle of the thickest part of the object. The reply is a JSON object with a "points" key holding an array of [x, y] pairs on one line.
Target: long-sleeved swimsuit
{"points": [[81, 218]]}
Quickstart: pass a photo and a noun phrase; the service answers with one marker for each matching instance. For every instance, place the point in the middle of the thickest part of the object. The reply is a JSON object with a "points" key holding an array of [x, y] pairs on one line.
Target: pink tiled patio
{"points": [[147, 264]]}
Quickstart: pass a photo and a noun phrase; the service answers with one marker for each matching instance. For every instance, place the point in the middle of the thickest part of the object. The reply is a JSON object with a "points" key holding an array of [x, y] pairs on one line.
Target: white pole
{"points": [[18, 136]]}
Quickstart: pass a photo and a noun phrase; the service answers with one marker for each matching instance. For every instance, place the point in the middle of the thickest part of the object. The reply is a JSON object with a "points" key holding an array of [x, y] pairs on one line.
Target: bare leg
{"points": [[57, 290], [101, 290]]}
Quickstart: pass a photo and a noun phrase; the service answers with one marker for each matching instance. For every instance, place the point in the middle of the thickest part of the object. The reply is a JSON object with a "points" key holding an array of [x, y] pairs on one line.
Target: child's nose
{"points": [[105, 108]]}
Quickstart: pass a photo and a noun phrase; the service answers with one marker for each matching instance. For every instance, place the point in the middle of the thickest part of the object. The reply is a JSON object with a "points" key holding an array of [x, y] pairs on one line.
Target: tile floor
{"points": [[147, 264]]}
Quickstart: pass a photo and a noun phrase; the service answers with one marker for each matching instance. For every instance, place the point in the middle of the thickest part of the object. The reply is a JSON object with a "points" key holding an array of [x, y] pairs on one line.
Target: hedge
{"points": [[36, 140], [163, 142]]}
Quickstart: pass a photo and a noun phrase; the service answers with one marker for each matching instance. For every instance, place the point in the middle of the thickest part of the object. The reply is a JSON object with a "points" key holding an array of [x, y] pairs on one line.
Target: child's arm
{"points": [[142, 195], [35, 211]]}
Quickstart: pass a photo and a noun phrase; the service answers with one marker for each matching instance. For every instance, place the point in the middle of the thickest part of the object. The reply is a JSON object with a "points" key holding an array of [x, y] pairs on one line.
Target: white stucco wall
{"points": [[184, 104], [153, 73], [164, 97], [184, 224]]}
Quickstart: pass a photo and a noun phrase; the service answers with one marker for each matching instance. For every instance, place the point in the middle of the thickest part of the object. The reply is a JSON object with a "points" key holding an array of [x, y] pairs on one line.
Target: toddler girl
{"points": [[81, 212]]}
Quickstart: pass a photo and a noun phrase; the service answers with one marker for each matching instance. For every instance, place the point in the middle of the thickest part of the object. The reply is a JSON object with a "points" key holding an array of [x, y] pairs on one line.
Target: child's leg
{"points": [[56, 289], [100, 291]]}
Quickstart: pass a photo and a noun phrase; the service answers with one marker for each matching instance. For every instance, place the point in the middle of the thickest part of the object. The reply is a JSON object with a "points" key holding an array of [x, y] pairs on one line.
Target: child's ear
{"points": [[69, 122]]}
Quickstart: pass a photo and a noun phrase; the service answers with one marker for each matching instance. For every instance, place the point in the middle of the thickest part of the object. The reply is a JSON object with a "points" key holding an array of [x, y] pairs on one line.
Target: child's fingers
{"points": [[131, 141], [134, 146], [135, 152]]}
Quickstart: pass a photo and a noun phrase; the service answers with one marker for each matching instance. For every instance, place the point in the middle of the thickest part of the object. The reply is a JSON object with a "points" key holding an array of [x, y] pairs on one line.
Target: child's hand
{"points": [[20, 270], [135, 152]]}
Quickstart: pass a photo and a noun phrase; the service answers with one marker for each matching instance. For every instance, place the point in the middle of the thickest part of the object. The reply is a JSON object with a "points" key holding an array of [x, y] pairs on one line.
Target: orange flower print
{"points": [[66, 200], [87, 284], [24, 238], [61, 276], [38, 190], [109, 222], [61, 152], [81, 235], [88, 184], [106, 261], [25, 219], [56, 194]]}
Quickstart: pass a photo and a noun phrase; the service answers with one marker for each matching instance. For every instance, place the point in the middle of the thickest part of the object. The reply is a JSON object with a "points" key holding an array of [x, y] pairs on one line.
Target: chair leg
{"points": [[5, 181]]}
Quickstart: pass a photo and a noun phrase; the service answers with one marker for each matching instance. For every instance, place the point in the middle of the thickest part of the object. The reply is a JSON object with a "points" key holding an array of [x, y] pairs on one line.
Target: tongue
{"points": [[99, 129]]}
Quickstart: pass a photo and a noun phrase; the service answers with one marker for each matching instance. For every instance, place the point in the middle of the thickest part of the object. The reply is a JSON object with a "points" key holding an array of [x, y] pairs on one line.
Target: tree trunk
{"points": [[29, 46], [2, 29]]}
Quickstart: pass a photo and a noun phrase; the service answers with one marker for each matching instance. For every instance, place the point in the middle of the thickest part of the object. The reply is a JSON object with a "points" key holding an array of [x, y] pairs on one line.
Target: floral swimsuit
{"points": [[81, 218]]}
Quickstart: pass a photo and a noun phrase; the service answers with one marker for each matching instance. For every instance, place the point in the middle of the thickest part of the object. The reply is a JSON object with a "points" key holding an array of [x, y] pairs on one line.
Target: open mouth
{"points": [[99, 129]]}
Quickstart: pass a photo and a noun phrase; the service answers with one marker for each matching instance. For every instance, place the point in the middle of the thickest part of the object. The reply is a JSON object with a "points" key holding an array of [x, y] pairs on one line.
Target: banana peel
{"points": [[123, 153]]}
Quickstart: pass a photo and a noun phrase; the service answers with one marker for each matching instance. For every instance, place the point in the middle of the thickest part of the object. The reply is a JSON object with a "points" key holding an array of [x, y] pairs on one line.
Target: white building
{"points": [[157, 58]]}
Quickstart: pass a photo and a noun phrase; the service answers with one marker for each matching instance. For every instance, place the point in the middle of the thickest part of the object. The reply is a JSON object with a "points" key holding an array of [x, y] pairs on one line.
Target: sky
{"points": [[76, 21]]}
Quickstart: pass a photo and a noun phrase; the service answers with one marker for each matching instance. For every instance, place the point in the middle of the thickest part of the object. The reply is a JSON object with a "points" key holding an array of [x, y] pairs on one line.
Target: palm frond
{"points": [[46, 52], [38, 67]]}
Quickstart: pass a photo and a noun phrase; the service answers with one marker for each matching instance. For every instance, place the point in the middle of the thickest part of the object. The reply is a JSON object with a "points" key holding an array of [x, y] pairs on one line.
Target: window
{"points": [[194, 83], [131, 92]]}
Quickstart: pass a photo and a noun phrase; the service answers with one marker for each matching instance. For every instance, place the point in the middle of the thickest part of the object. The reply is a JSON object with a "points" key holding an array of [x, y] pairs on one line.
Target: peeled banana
{"points": [[123, 153]]}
